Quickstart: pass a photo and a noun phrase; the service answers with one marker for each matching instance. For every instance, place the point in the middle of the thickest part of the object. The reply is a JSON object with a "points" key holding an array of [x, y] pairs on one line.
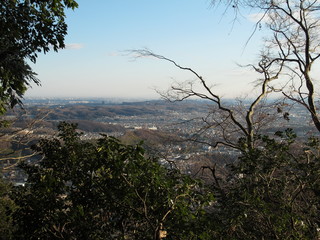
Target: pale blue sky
{"points": [[191, 32]]}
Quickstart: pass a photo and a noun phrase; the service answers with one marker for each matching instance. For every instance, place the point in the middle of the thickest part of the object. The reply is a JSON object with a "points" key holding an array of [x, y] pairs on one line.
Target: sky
{"points": [[97, 61]]}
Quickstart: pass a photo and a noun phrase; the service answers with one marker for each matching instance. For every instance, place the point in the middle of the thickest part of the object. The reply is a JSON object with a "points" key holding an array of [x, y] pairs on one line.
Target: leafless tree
{"points": [[291, 50], [227, 121]]}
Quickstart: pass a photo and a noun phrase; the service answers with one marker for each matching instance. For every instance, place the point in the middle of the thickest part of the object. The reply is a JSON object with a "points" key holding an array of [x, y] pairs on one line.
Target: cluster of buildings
{"points": [[183, 121]]}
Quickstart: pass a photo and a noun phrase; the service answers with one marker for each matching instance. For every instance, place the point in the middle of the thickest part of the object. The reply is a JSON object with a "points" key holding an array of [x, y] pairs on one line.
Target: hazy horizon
{"points": [[95, 61]]}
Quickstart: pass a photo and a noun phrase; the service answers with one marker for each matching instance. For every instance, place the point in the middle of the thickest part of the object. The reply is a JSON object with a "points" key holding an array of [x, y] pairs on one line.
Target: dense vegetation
{"points": [[107, 190], [275, 194], [104, 190]]}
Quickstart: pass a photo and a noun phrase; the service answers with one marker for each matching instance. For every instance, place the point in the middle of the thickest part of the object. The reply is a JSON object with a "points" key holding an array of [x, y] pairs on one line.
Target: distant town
{"points": [[179, 134]]}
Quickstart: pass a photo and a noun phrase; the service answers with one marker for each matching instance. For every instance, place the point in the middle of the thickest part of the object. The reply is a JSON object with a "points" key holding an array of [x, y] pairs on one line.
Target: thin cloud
{"points": [[265, 17], [257, 17], [114, 54], [73, 46]]}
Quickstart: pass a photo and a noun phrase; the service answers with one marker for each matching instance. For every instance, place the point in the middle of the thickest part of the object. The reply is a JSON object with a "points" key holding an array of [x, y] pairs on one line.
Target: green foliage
{"points": [[274, 192], [7, 207], [15, 75], [27, 27], [105, 190]]}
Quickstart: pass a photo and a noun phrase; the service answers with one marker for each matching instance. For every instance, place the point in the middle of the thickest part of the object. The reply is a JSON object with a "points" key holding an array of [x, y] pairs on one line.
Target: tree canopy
{"points": [[105, 190], [27, 27], [274, 192]]}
